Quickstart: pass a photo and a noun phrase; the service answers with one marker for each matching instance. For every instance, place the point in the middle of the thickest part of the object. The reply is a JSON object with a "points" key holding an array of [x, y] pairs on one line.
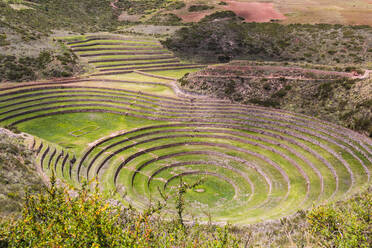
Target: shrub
{"points": [[47, 64], [176, 5], [47, 15], [324, 90], [345, 224], [265, 41], [196, 8], [55, 219], [183, 81], [219, 15], [362, 123], [280, 93], [3, 41], [266, 103], [267, 86], [332, 52], [165, 19], [12, 128], [140, 7], [230, 88]]}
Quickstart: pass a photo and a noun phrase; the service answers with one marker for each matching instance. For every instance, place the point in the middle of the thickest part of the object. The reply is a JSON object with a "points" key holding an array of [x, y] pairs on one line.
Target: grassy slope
{"points": [[17, 173], [23, 35], [345, 102], [45, 15], [227, 39], [58, 62]]}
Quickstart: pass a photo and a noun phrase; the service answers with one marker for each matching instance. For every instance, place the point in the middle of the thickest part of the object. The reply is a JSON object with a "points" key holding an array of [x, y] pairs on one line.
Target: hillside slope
{"points": [[329, 95], [40, 17], [219, 39], [17, 173], [27, 49]]}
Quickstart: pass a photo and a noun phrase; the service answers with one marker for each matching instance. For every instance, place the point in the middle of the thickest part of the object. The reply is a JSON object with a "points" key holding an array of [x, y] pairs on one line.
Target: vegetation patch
{"points": [[3, 41], [148, 6], [165, 19], [43, 16], [343, 224], [219, 15], [228, 39], [196, 8], [93, 222], [292, 88], [17, 174], [101, 224], [47, 64]]}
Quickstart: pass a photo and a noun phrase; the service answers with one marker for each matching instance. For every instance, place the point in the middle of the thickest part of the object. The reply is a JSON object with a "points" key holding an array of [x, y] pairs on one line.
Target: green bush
{"points": [[12, 128], [267, 86], [175, 5], [266, 103], [56, 219], [47, 64], [3, 41], [280, 93], [324, 90], [219, 15], [346, 224], [196, 8]]}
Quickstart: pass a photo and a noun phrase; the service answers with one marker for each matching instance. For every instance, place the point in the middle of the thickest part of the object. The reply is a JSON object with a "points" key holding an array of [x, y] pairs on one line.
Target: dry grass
{"points": [[326, 11]]}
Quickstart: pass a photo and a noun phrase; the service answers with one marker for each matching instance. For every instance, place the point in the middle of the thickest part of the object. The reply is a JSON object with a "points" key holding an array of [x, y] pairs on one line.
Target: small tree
{"points": [[183, 187]]}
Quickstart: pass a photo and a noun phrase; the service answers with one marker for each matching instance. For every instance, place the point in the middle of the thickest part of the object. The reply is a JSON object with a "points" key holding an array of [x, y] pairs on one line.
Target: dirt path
{"points": [[267, 77], [175, 87], [285, 68], [294, 69], [364, 76], [113, 4], [154, 76]]}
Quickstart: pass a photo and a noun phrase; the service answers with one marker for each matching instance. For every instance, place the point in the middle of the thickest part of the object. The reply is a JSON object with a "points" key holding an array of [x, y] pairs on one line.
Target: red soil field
{"points": [[254, 11], [251, 12]]}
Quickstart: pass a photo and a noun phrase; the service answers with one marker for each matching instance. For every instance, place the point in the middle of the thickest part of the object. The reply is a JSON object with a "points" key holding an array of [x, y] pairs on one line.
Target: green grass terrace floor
{"points": [[137, 133]]}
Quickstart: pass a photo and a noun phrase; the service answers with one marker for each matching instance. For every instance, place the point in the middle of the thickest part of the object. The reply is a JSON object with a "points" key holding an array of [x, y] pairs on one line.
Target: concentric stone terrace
{"points": [[113, 55], [257, 163]]}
